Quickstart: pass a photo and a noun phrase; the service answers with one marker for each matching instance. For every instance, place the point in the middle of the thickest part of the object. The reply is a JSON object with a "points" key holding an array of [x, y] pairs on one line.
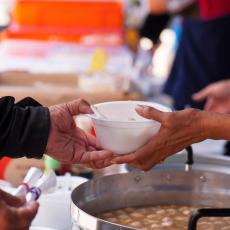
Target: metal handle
{"points": [[206, 212], [190, 161]]}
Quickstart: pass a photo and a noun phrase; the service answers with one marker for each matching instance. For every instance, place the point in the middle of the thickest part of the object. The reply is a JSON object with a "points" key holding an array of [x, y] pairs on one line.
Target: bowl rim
{"points": [[149, 103]]}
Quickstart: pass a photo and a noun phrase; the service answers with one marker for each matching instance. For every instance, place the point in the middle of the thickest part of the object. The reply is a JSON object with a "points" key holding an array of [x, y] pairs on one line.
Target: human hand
{"points": [[217, 96], [14, 214], [69, 144], [178, 130]]}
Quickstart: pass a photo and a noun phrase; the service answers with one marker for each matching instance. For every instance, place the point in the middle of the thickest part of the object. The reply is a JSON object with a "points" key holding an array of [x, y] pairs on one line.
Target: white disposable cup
{"points": [[124, 131]]}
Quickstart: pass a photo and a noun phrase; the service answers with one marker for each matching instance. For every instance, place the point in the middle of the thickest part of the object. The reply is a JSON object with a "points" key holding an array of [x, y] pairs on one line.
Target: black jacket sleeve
{"points": [[24, 128]]}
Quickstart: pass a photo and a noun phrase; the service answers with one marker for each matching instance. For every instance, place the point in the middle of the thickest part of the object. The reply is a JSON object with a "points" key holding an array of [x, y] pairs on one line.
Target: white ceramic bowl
{"points": [[124, 131]]}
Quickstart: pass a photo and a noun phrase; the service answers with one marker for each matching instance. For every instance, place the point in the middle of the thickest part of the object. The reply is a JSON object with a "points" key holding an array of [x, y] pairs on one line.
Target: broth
{"points": [[163, 217]]}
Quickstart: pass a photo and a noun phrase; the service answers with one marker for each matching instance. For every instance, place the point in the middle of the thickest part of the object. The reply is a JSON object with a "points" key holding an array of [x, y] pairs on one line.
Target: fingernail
{"points": [[85, 107], [140, 107]]}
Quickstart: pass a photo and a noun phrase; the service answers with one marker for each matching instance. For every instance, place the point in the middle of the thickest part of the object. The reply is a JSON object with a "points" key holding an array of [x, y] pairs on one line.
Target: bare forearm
{"points": [[216, 125]]}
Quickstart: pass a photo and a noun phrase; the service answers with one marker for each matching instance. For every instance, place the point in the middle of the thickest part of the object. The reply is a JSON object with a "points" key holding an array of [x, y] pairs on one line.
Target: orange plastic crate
{"points": [[67, 20], [69, 13]]}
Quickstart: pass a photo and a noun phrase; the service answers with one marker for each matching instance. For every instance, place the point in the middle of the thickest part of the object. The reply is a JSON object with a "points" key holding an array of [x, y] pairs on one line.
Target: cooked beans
{"points": [[169, 217]]}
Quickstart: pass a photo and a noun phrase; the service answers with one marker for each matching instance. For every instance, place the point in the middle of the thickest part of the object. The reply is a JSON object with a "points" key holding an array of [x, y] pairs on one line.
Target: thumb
{"points": [[202, 94], [79, 106], [149, 113]]}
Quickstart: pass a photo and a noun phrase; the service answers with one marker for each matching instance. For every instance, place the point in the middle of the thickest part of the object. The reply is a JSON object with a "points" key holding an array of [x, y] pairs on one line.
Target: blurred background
{"points": [[152, 50]]}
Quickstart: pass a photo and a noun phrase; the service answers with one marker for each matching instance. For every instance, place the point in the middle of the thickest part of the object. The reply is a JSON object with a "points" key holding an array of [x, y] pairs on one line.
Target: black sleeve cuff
{"points": [[25, 129], [35, 144]]}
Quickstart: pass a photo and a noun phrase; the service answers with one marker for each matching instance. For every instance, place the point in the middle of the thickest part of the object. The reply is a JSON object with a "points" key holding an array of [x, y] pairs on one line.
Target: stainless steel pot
{"points": [[142, 189]]}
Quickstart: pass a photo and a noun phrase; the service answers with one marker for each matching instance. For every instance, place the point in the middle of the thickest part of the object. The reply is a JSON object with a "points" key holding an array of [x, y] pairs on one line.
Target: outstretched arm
{"points": [[178, 131], [29, 129]]}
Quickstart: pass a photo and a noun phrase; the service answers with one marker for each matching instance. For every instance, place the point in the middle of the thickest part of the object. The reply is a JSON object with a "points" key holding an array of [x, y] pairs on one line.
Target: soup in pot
{"points": [[163, 217]]}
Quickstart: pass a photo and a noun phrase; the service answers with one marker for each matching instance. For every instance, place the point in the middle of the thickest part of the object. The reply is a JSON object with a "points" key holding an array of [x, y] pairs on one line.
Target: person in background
{"points": [[201, 57], [152, 16], [217, 96], [202, 54], [31, 130], [183, 128], [159, 13]]}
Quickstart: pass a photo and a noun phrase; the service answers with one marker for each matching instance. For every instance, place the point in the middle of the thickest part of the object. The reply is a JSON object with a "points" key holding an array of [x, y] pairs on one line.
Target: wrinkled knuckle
{"points": [[148, 110], [81, 100], [67, 106]]}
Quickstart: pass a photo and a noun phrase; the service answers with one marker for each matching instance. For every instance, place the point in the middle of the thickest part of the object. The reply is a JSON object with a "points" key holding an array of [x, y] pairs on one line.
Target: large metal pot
{"points": [[167, 187]]}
